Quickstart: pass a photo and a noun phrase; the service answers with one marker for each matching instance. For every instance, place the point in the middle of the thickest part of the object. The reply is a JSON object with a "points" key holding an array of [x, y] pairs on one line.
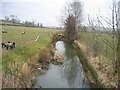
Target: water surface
{"points": [[68, 75]]}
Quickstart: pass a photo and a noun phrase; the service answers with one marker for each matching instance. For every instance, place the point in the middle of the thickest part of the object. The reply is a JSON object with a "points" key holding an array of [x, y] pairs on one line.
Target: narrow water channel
{"points": [[68, 75]]}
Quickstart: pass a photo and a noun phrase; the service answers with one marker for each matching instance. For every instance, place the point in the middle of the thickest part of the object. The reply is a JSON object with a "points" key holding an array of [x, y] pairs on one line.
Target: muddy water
{"points": [[68, 75]]}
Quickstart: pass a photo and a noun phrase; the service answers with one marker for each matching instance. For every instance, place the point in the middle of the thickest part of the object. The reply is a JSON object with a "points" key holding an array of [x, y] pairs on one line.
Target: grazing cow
{"points": [[10, 45], [23, 33], [3, 31], [3, 45]]}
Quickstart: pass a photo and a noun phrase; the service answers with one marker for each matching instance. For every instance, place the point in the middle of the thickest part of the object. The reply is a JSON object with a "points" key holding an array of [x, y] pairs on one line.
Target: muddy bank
{"points": [[23, 74]]}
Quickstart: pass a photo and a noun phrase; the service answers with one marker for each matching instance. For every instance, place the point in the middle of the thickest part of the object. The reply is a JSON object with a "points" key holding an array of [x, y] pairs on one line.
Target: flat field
{"points": [[25, 43], [14, 33]]}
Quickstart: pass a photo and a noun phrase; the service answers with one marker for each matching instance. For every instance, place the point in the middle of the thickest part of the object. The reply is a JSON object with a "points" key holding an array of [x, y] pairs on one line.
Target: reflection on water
{"points": [[68, 75]]}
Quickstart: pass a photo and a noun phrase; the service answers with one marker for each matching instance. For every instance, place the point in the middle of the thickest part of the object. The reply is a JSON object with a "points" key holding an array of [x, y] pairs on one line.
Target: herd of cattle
{"points": [[9, 45], [4, 31]]}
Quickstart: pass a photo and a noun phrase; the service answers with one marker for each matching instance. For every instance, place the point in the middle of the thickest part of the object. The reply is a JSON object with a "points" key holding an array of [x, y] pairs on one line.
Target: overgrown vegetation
{"points": [[71, 20], [96, 43], [100, 44], [101, 49], [100, 56], [20, 65]]}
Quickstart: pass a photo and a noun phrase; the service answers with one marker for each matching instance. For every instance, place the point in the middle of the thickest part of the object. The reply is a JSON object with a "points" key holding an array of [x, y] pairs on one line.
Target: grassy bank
{"points": [[25, 44], [90, 73], [101, 56], [100, 43], [21, 64]]}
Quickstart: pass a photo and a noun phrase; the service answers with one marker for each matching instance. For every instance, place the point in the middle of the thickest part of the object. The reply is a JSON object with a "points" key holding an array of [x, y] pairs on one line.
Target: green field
{"points": [[25, 44], [27, 53], [27, 47], [14, 34], [8, 23], [99, 43]]}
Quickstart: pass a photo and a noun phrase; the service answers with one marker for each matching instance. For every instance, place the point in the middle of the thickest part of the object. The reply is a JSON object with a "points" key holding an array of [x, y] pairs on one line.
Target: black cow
{"points": [[3, 31], [3, 45], [10, 45]]}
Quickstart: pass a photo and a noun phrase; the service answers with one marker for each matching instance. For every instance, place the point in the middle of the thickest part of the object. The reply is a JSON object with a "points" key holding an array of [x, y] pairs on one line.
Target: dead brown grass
{"points": [[103, 67], [23, 74]]}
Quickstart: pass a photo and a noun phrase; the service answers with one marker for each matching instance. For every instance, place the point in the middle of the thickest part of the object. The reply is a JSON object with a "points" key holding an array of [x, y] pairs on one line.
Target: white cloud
{"points": [[47, 11], [47, 1]]}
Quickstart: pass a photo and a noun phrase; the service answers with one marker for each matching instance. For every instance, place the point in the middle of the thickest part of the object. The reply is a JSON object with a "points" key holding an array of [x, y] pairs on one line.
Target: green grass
{"points": [[8, 23], [14, 34], [23, 48], [96, 41], [100, 52]]}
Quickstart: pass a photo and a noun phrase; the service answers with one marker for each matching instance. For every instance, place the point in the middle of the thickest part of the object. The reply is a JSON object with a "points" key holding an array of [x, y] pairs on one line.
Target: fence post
{"points": [[37, 38]]}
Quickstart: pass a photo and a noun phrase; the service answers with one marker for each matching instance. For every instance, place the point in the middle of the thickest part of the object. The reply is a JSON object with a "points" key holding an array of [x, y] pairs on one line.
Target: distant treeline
{"points": [[13, 20], [96, 29]]}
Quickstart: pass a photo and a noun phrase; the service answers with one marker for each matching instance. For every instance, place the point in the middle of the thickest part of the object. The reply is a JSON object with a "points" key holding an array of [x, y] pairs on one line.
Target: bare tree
{"points": [[113, 24], [38, 25], [118, 46], [13, 18], [71, 20], [7, 18], [41, 25]]}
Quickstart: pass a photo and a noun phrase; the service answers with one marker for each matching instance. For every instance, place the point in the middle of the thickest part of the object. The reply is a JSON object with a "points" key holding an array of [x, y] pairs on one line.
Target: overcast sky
{"points": [[48, 11]]}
